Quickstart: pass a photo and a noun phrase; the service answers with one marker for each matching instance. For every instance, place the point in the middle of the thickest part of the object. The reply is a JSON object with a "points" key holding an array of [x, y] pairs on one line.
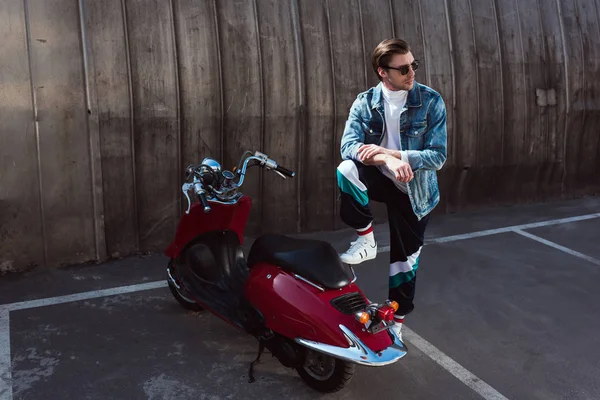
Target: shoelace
{"points": [[353, 249]]}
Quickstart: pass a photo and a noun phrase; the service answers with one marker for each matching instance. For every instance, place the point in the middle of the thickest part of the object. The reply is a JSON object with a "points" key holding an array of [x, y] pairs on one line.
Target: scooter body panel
{"points": [[221, 217], [296, 309]]}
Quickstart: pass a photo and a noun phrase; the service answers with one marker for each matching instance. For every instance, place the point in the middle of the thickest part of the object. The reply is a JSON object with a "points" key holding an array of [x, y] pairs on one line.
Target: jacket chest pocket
{"points": [[373, 132], [415, 129]]}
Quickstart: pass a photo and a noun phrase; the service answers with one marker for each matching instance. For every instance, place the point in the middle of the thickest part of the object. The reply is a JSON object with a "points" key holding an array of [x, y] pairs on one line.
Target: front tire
{"points": [[324, 373], [181, 296]]}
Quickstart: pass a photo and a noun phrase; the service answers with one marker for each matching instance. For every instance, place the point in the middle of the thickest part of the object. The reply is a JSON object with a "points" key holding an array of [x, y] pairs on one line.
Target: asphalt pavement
{"points": [[507, 306]]}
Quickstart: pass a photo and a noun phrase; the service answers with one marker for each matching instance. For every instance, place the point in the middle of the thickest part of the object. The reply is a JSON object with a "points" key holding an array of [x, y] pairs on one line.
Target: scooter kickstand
{"points": [[261, 348]]}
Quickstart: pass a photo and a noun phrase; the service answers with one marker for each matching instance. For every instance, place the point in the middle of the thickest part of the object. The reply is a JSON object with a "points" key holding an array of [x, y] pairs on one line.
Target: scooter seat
{"points": [[314, 260]]}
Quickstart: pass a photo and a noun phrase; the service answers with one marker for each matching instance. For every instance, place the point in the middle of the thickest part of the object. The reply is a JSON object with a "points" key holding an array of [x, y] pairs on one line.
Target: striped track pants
{"points": [[359, 184]]}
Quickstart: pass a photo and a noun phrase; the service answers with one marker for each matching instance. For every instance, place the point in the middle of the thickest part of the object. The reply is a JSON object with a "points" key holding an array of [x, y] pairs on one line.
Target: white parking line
{"points": [[5, 361], [459, 372], [557, 246], [446, 362], [512, 228], [50, 301], [489, 232]]}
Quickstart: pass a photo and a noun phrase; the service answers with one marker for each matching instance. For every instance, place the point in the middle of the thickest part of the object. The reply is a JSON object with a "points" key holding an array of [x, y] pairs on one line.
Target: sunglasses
{"points": [[404, 68]]}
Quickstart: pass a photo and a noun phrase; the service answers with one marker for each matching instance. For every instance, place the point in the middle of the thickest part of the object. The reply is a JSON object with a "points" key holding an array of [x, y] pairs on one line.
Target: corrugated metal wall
{"points": [[103, 103]]}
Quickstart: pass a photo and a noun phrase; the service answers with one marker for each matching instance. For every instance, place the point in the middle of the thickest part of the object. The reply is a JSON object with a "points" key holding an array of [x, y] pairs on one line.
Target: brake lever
{"points": [[185, 188], [280, 174]]}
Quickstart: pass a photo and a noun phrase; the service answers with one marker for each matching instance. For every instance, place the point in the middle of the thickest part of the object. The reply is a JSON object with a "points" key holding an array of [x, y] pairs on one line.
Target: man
{"points": [[394, 141]]}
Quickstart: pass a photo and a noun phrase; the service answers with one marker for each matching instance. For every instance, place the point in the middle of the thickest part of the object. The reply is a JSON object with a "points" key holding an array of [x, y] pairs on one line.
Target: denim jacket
{"points": [[423, 138]]}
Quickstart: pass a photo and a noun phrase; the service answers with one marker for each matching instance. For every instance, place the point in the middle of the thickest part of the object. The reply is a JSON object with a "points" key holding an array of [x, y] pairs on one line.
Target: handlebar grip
{"points": [[204, 202], [285, 171]]}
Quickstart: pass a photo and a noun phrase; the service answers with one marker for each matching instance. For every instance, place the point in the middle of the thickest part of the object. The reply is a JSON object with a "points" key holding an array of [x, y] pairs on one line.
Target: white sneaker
{"points": [[397, 327], [362, 249]]}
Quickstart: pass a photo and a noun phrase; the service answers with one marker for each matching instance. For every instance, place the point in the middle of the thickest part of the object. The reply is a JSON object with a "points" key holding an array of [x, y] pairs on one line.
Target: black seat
{"points": [[314, 260]]}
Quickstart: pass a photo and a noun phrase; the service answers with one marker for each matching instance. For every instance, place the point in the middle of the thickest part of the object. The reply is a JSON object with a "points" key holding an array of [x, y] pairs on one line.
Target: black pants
{"points": [[406, 231]]}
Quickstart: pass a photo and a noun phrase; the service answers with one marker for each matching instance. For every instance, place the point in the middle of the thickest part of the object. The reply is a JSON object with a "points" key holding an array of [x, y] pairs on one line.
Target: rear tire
{"points": [[324, 373], [181, 296]]}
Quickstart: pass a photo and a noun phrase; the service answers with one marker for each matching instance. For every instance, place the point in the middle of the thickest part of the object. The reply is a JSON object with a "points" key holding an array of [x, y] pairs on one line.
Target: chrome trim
{"points": [[212, 164], [242, 174], [358, 352], [309, 282], [353, 273], [173, 280], [227, 203]]}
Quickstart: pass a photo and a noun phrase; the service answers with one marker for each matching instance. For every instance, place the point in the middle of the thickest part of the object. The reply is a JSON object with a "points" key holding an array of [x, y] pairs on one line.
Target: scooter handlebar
{"points": [[285, 171], [204, 202], [201, 193]]}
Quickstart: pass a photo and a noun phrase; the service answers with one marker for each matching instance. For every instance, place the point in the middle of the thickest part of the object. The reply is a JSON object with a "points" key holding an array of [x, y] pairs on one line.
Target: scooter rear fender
{"points": [[304, 313]]}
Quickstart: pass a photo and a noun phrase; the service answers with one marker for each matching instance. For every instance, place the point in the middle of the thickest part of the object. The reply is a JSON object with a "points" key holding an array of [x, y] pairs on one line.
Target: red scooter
{"points": [[294, 296]]}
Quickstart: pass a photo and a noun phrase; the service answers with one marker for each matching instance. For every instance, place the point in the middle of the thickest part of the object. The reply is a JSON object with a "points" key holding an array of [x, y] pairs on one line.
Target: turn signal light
{"points": [[394, 305], [362, 317]]}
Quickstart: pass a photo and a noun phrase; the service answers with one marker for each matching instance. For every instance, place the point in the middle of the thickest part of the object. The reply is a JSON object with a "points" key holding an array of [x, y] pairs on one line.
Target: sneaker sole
{"points": [[359, 261]]}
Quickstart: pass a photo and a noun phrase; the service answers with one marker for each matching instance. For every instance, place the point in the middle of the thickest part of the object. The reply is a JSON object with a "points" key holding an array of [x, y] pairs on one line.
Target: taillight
{"points": [[386, 313], [363, 317]]}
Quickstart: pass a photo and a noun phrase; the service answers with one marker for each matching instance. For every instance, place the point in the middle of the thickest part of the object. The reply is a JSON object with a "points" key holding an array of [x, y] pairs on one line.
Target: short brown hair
{"points": [[386, 50]]}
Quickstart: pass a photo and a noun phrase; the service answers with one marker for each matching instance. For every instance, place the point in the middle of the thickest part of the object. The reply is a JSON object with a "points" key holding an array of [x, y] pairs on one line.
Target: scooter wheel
{"points": [[187, 303], [324, 373]]}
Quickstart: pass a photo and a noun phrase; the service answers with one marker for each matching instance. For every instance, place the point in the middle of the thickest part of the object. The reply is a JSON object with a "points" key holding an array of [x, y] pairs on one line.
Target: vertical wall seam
{"points": [[222, 99], [362, 38], [36, 127], [477, 85], [452, 70], [546, 128], [427, 68], [262, 108], [131, 124], [502, 105], [597, 25], [583, 78], [178, 102], [524, 76], [93, 142], [301, 106], [334, 149], [597, 16], [567, 95], [392, 18]]}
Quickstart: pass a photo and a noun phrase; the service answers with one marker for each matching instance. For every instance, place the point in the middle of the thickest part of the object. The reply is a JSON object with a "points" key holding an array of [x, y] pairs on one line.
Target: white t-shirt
{"points": [[395, 105]]}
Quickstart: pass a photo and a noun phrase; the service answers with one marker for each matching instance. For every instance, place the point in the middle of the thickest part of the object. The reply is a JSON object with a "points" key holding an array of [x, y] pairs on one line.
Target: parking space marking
{"points": [[50, 301], [457, 370], [488, 232], [5, 361], [557, 246]]}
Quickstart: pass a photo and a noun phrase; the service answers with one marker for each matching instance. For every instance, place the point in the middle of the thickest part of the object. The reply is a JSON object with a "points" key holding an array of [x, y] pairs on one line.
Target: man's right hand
{"points": [[401, 169]]}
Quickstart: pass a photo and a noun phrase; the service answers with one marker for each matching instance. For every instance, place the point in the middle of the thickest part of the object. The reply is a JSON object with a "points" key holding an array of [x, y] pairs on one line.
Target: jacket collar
{"points": [[413, 99]]}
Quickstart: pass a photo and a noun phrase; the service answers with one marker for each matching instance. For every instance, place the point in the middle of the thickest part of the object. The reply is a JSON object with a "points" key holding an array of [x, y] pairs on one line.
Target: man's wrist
{"points": [[395, 154]]}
